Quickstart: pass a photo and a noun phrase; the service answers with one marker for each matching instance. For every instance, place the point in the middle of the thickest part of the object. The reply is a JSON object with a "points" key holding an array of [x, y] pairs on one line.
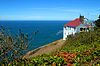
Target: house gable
{"points": [[73, 23]]}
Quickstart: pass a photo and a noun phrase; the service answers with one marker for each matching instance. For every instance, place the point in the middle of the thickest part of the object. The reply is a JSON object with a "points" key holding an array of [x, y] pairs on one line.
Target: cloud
{"points": [[20, 17], [33, 17], [61, 10], [72, 10], [51, 13], [48, 8]]}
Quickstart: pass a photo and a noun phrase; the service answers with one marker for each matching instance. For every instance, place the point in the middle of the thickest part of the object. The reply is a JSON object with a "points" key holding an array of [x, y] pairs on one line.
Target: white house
{"points": [[75, 26]]}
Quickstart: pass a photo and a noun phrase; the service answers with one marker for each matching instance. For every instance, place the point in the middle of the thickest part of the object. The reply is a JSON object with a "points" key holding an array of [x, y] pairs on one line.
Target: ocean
{"points": [[47, 31]]}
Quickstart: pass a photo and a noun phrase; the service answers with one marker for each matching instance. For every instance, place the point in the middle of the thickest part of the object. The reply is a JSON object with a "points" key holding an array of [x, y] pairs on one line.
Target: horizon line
{"points": [[34, 20]]}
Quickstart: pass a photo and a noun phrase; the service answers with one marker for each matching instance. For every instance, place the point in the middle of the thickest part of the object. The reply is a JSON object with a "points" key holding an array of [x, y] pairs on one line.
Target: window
{"points": [[82, 29]]}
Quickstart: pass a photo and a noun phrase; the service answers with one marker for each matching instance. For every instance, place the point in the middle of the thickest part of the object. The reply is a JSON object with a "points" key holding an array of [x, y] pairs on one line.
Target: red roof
{"points": [[74, 23]]}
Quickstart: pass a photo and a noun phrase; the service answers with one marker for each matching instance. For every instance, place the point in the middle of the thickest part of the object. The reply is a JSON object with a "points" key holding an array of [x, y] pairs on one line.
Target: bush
{"points": [[97, 22], [12, 47]]}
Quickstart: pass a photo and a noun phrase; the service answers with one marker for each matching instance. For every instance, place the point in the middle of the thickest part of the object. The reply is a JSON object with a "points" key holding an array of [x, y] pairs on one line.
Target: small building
{"points": [[80, 24]]}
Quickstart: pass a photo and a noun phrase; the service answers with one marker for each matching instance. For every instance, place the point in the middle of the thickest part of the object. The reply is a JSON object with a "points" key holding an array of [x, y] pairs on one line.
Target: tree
{"points": [[12, 47], [97, 22], [99, 17]]}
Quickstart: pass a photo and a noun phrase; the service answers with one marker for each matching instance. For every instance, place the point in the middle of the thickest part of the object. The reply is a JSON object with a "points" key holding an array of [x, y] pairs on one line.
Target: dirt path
{"points": [[52, 47]]}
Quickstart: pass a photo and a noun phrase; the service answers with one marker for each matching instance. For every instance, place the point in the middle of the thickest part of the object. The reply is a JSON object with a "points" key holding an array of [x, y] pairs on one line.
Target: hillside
{"points": [[83, 49], [46, 49]]}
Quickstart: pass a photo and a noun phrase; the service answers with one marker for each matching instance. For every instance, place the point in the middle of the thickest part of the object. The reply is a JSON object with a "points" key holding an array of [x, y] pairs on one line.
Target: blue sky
{"points": [[48, 9]]}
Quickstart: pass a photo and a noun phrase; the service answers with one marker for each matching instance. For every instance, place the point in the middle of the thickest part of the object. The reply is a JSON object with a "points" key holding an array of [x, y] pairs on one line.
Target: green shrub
{"points": [[12, 47]]}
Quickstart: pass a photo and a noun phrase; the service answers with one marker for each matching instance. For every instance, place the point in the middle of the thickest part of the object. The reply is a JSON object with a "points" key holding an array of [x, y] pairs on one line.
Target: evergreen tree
{"points": [[97, 22]]}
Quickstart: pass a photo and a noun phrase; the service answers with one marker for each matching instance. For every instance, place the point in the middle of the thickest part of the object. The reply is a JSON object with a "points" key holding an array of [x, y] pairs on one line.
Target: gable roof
{"points": [[73, 23]]}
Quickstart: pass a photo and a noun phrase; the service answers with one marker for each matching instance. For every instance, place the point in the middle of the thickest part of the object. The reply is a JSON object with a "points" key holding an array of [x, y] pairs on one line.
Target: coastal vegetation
{"points": [[97, 22], [82, 49], [12, 47]]}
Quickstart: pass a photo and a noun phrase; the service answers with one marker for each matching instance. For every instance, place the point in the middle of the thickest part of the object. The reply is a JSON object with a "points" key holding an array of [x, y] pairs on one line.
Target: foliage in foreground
{"points": [[12, 47], [81, 50], [44, 60], [87, 47]]}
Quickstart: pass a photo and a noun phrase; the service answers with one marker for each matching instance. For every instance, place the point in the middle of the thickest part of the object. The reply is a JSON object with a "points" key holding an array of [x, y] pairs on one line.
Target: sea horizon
{"points": [[35, 20], [49, 31]]}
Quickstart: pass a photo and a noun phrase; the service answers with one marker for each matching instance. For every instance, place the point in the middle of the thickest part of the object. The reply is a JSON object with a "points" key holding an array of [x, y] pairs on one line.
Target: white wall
{"points": [[68, 31]]}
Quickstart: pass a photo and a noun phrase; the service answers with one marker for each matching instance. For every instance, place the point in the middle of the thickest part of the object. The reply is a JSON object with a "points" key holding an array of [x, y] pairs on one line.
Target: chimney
{"points": [[82, 19]]}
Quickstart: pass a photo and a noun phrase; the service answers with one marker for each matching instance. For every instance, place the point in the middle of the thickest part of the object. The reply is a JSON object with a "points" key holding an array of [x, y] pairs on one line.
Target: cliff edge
{"points": [[47, 49]]}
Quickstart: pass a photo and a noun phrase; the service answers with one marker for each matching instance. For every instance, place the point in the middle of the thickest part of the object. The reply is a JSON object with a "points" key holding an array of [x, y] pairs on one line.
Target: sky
{"points": [[48, 9]]}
